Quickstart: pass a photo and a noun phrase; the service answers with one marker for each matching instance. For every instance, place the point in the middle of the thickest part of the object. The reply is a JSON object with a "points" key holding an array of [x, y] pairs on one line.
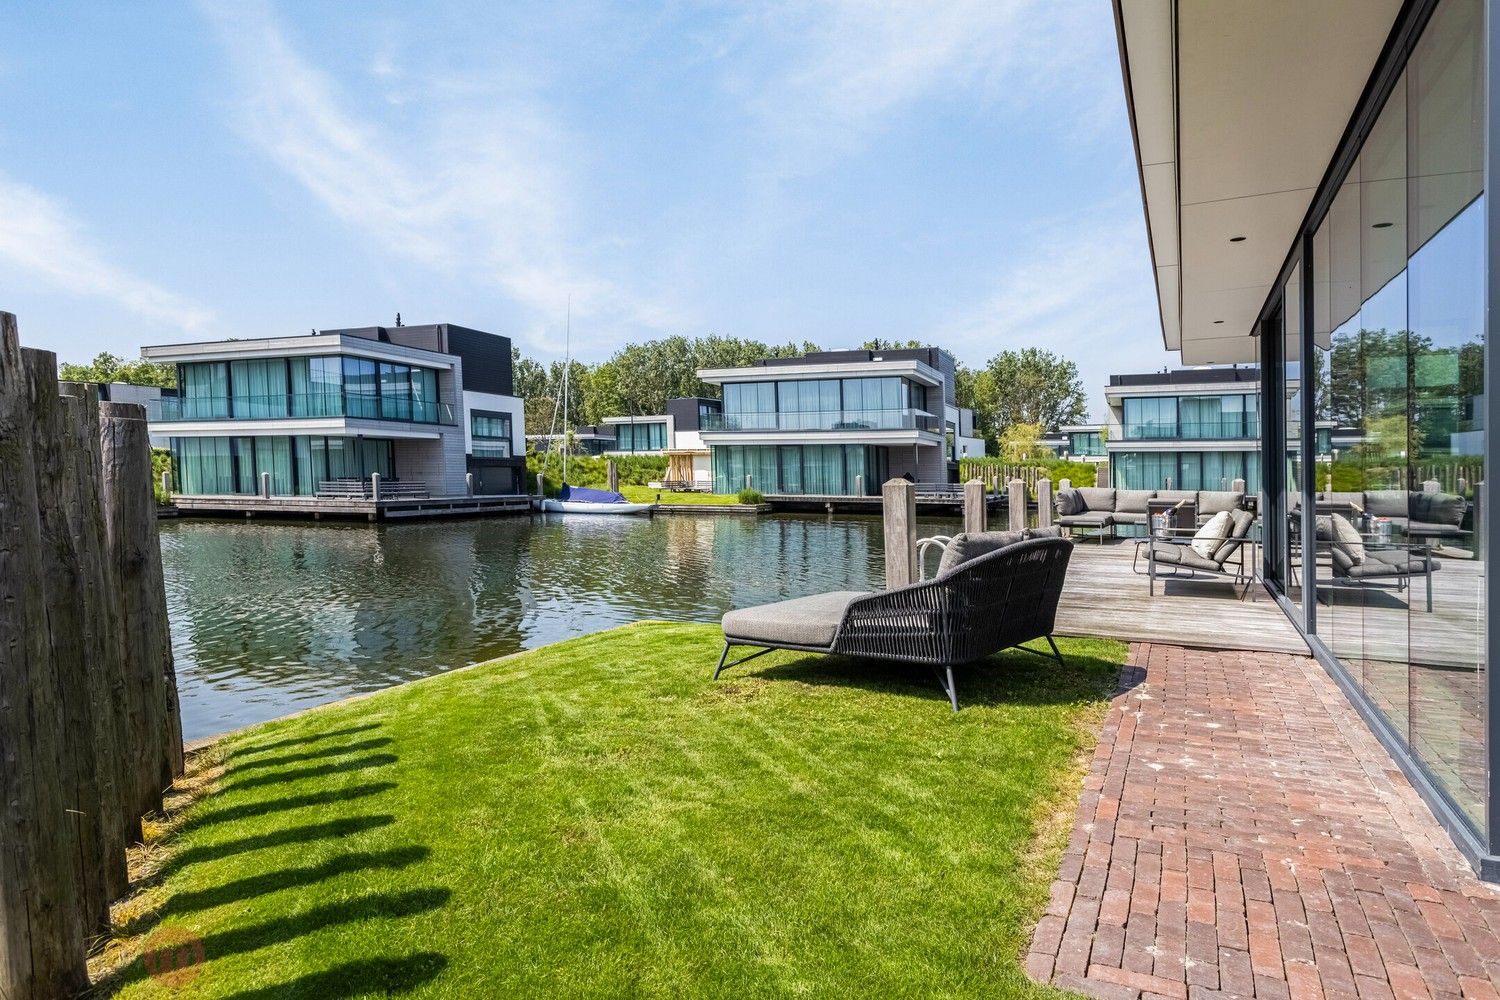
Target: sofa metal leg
{"points": [[722, 657], [946, 679], [1056, 652]]}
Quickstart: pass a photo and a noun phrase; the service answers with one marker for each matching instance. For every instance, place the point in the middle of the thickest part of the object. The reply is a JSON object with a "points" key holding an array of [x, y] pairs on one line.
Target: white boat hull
{"points": [[583, 507]]}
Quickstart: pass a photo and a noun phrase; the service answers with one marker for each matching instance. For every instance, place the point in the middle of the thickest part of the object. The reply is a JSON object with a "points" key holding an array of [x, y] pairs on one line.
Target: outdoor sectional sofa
{"points": [[993, 592], [1104, 507], [1413, 513]]}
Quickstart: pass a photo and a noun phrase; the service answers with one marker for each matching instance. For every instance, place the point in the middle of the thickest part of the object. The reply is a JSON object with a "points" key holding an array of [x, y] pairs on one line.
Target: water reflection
{"points": [[270, 618]]}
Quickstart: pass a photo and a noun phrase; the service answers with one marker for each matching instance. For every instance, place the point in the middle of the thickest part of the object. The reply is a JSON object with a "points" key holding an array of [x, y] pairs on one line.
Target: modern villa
{"points": [[424, 406], [676, 434], [838, 423], [1196, 429], [1314, 180]]}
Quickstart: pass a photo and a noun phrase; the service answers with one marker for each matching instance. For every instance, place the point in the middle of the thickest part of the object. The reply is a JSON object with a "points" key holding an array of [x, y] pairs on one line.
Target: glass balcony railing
{"points": [[1228, 429], [823, 420], [491, 449], [295, 406]]}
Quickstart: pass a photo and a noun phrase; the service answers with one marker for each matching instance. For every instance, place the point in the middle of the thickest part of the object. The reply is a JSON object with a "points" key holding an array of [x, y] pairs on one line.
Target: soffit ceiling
{"points": [[1237, 108]]}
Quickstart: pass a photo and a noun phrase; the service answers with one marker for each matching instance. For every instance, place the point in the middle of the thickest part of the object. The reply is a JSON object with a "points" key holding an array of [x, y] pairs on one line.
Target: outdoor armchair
{"points": [[993, 601], [1176, 557]]}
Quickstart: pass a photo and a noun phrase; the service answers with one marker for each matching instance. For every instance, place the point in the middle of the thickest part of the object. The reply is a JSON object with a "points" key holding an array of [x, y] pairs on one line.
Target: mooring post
{"points": [[612, 475], [541, 489], [899, 508], [749, 481], [469, 483], [1044, 502], [1016, 504], [265, 485], [974, 513], [859, 486], [166, 485], [374, 487]]}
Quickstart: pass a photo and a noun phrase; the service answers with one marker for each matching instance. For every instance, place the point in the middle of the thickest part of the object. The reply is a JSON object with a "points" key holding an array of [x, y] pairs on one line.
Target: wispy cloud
{"points": [[478, 193], [1083, 288], [841, 71], [41, 239]]}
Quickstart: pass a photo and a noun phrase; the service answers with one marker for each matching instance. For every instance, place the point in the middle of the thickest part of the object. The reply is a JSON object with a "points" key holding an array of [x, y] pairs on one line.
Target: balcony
{"points": [[823, 420], [491, 449], [1228, 429], [299, 406]]}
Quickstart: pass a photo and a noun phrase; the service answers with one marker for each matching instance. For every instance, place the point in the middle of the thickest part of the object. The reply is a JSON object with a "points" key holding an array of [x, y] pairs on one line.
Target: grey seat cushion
{"points": [[965, 546], [1388, 503], [1167, 553], [1384, 563], [803, 621], [1131, 517], [1090, 519], [1097, 498], [1173, 496], [1210, 502], [1131, 501]]}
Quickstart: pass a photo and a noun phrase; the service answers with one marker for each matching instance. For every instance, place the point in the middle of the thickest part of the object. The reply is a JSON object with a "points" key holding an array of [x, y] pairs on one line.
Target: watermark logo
{"points": [[174, 957]]}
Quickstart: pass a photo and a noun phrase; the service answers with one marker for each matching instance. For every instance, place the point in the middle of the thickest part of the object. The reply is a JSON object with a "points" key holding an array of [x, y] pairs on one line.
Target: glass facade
{"points": [[648, 436], [217, 466], [325, 386], [1087, 444], [1396, 290], [1227, 417], [1185, 470], [490, 433], [809, 469], [882, 403]]}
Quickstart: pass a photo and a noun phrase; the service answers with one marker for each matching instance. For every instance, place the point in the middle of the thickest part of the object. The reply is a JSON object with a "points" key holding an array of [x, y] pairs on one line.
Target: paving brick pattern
{"points": [[1242, 834]]}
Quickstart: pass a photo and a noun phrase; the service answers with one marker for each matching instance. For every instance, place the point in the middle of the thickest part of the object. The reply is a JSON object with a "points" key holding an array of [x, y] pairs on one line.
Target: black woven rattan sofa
{"points": [[980, 606]]}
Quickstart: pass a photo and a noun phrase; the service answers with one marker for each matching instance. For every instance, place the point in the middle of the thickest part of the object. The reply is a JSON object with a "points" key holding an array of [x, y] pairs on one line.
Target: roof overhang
{"points": [[1236, 110], [874, 437], [291, 347]]}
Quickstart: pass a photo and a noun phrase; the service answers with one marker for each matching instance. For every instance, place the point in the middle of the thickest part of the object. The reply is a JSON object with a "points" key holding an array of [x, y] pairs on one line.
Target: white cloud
{"points": [[478, 193], [41, 239], [1083, 289]]}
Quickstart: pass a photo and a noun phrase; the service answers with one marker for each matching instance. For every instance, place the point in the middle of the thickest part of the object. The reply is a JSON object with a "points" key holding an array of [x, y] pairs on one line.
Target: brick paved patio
{"points": [[1241, 834]]}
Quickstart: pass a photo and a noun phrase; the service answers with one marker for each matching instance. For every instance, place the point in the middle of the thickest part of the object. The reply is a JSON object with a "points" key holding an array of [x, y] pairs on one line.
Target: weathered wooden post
{"points": [[1428, 486], [1044, 502], [62, 577], [974, 510], [1016, 504], [1102, 474], [469, 483], [612, 475], [899, 507], [265, 485], [1064, 484], [374, 487], [42, 949]]}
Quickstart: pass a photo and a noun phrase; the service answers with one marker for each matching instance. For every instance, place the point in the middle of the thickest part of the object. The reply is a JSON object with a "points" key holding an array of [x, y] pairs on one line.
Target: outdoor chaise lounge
{"points": [[992, 592], [1178, 556]]}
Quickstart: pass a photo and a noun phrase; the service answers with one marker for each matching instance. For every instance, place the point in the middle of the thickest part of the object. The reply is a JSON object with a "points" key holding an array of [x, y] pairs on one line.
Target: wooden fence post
{"points": [[1016, 504], [899, 504], [974, 512], [1044, 502], [41, 938]]}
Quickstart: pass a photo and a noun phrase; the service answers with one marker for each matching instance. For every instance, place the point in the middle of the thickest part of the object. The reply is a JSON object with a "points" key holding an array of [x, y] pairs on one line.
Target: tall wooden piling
{"points": [[1044, 503], [42, 938], [1015, 502], [612, 475], [899, 506]]}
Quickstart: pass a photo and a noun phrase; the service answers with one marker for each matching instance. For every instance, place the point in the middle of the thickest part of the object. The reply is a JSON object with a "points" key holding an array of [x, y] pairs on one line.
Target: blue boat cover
{"points": [[582, 495]]}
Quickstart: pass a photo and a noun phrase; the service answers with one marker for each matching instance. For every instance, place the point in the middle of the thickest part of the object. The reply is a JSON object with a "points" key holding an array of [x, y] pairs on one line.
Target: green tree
{"points": [[1030, 386], [1023, 443], [107, 367]]}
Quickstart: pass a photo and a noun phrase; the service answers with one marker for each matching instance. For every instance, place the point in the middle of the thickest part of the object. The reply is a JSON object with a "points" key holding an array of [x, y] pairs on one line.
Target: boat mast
{"points": [[567, 370]]}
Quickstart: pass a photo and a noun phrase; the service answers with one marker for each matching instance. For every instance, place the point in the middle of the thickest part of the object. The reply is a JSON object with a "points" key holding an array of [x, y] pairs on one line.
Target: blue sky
{"points": [[830, 171]]}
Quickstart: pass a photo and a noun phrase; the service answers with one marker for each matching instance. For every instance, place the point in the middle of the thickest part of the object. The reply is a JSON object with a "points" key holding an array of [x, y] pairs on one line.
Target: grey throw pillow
{"points": [[1069, 502], [965, 546], [1099, 498]]}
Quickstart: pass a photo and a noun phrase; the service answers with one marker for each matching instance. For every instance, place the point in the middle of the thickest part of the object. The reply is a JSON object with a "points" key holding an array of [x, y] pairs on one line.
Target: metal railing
{"points": [[1228, 429], [296, 406], [491, 449], [822, 420]]}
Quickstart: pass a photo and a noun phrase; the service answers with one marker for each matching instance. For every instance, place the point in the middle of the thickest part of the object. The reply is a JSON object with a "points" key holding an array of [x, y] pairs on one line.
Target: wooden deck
{"points": [[346, 507], [1104, 598]]}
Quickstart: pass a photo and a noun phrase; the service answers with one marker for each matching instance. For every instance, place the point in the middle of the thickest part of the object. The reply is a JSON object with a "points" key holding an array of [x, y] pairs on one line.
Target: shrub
{"points": [[593, 472], [750, 497], [161, 461]]}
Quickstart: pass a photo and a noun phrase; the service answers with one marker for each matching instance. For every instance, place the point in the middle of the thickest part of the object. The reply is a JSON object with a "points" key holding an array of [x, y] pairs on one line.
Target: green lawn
{"points": [[645, 494], [598, 819]]}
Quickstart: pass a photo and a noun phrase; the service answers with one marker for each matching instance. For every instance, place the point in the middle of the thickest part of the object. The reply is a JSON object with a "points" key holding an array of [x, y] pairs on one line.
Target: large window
{"points": [[1185, 470], [821, 470], [884, 402], [1398, 290], [490, 433], [296, 464], [1086, 444], [1223, 417], [324, 386], [648, 436]]}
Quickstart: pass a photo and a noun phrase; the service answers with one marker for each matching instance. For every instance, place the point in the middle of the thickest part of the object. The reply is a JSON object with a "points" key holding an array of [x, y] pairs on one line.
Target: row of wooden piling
{"points": [[90, 731], [899, 519]]}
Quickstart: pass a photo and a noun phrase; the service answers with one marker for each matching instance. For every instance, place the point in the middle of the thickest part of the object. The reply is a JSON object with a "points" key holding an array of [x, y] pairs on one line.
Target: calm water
{"points": [[268, 618]]}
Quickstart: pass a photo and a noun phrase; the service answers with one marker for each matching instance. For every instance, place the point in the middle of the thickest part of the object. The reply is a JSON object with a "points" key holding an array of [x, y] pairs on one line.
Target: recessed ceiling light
{"points": [[1382, 225], [1236, 239]]}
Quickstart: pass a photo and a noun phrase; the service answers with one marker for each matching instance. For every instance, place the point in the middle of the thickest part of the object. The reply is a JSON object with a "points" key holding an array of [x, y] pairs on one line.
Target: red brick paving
{"points": [[1242, 834]]}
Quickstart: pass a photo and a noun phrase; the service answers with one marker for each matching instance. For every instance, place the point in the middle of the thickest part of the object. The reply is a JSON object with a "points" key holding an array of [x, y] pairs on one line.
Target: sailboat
{"points": [[579, 499]]}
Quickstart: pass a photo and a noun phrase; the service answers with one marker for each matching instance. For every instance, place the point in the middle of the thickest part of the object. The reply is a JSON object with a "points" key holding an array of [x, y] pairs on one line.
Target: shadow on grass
{"points": [[304, 773], [370, 977], [260, 763], [276, 838], [289, 878], [298, 741], [230, 814], [1009, 678], [376, 906]]}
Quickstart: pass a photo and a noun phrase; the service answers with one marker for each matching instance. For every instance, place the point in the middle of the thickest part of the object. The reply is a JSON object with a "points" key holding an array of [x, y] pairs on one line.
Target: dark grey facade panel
{"points": [[486, 358], [1188, 376], [684, 411]]}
